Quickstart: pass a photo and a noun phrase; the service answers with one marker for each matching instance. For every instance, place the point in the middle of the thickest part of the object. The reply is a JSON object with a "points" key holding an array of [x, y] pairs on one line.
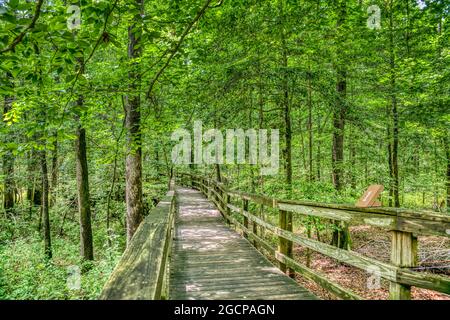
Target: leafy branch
{"points": [[178, 45], [20, 37]]}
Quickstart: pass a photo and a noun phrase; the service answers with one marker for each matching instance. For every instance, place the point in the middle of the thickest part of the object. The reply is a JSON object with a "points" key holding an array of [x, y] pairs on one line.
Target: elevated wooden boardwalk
{"points": [[211, 261], [191, 253]]}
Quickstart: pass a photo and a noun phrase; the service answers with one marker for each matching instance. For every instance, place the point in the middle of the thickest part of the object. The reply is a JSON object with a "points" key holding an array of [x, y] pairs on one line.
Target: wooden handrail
{"points": [[401, 222], [142, 272], [422, 223]]}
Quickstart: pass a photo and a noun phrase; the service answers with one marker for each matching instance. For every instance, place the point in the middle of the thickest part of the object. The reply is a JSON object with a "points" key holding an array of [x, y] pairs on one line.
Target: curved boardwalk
{"points": [[211, 261]]}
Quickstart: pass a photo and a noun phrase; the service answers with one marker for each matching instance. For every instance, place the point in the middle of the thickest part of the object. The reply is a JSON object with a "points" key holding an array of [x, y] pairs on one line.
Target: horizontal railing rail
{"points": [[142, 272], [405, 225]]}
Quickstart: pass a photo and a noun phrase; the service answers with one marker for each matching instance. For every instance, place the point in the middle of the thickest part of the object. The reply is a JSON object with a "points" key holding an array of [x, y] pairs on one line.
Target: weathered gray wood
{"points": [[423, 223], [141, 272], [397, 220], [403, 254], [387, 271], [318, 278], [308, 273], [211, 261], [284, 245], [401, 220], [245, 208]]}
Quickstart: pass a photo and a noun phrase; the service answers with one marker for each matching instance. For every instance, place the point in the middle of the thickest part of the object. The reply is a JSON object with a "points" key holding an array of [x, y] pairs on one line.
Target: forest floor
{"points": [[375, 243]]}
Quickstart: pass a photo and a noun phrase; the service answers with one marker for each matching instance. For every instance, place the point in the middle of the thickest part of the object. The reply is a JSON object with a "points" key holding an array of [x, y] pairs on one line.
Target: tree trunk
{"points": [[389, 146], [84, 205], [34, 194], [341, 236], [447, 154], [133, 175], [353, 173], [310, 133], [285, 105], [218, 174], [260, 113], [338, 132], [84, 201], [340, 107], [393, 98], [54, 172], [319, 149], [8, 166], [45, 205]]}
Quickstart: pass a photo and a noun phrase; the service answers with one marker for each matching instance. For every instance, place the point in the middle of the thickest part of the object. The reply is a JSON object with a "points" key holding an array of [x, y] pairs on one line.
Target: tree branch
{"points": [[177, 47], [19, 38]]}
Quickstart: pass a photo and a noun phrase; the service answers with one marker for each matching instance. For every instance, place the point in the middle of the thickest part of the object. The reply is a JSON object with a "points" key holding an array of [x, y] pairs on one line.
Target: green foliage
{"points": [[228, 72], [26, 274]]}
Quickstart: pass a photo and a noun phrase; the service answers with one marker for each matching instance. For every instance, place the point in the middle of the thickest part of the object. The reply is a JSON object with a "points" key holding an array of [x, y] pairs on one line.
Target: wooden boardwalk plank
{"points": [[211, 261]]}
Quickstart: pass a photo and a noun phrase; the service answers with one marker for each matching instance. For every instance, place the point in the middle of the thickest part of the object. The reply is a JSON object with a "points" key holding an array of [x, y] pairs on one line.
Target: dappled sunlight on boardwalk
{"points": [[211, 261]]}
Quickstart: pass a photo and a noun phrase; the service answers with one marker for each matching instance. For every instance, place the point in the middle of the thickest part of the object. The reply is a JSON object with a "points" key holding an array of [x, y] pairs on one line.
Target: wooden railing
{"points": [[405, 225], [142, 272]]}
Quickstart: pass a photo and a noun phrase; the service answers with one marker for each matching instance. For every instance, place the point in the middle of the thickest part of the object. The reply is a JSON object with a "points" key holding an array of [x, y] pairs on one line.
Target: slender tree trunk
{"points": [[318, 162], [436, 176], [34, 194], [260, 113], [84, 201], [366, 168], [157, 162], [447, 154], [353, 158], [133, 175], [339, 113], [113, 184], [310, 133], [439, 65], [389, 147], [341, 235], [84, 205], [218, 174], [8, 166], [338, 133], [302, 146], [393, 101], [45, 205], [286, 106], [54, 170], [319, 149]]}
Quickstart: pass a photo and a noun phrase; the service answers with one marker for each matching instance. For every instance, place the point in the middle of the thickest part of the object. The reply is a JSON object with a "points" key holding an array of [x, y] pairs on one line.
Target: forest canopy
{"points": [[92, 90]]}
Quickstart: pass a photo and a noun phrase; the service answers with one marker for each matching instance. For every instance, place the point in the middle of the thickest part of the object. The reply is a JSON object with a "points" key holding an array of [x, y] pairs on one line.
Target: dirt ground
{"points": [[434, 256]]}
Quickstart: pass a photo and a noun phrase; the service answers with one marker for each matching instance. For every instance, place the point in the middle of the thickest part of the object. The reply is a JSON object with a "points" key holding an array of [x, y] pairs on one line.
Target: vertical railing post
{"points": [[285, 246], [209, 188], [245, 208], [221, 200], [255, 227], [227, 209], [403, 255]]}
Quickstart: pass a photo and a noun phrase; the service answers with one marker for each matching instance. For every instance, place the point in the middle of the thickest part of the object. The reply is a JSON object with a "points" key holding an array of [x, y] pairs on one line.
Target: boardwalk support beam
{"points": [[403, 255], [284, 245]]}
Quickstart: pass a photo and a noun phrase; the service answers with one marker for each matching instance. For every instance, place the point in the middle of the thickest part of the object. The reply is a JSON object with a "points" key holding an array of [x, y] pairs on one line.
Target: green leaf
{"points": [[13, 4]]}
